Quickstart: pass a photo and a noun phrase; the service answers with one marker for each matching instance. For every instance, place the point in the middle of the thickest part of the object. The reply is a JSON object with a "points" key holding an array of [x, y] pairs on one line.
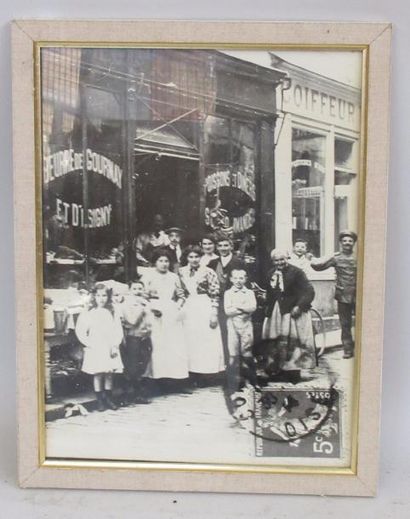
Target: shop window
{"points": [[217, 132], [241, 198], [83, 181], [230, 183], [308, 176], [345, 173], [243, 143], [102, 105], [344, 162]]}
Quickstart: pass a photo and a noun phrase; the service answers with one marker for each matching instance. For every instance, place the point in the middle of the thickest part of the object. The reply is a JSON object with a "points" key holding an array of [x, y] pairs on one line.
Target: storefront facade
{"points": [[317, 158], [130, 133]]}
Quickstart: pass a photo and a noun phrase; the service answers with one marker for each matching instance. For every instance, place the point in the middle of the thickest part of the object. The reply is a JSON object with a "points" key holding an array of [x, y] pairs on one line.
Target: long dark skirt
{"points": [[294, 339]]}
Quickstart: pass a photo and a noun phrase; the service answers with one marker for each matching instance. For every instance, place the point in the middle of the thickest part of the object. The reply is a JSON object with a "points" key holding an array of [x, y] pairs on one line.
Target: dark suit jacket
{"points": [[298, 291], [173, 257], [224, 273]]}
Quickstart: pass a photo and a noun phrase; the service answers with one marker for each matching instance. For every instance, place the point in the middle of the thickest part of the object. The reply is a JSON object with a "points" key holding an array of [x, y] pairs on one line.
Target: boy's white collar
{"points": [[226, 259]]}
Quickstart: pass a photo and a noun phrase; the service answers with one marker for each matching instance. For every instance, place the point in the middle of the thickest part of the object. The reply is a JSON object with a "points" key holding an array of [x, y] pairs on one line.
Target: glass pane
{"points": [[343, 154], [82, 174], [308, 175], [346, 168], [230, 183], [217, 140]]}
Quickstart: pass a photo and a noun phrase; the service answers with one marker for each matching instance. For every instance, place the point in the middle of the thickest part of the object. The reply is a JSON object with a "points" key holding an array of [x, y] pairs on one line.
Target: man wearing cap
{"points": [[345, 265], [174, 247], [148, 241]]}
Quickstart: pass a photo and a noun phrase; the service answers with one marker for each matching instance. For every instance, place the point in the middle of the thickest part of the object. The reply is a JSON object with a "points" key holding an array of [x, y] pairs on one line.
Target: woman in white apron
{"points": [[201, 327], [169, 358]]}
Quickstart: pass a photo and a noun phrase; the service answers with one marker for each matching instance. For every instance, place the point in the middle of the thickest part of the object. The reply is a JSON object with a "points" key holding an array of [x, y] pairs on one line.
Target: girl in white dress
{"points": [[169, 358], [100, 331], [201, 326]]}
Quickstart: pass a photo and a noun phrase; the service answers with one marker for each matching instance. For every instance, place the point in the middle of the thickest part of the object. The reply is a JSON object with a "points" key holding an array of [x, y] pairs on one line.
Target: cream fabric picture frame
{"points": [[36, 467]]}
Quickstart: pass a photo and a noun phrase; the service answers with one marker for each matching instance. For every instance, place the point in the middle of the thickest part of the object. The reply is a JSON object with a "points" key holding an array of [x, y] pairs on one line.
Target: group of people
{"points": [[188, 317]]}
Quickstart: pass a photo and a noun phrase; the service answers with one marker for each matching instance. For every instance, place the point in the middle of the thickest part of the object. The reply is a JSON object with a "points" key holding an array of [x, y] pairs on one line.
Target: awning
{"points": [[163, 140]]}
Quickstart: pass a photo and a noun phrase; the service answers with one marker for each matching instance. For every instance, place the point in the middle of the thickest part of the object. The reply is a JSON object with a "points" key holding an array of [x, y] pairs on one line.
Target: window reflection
{"points": [[308, 176]]}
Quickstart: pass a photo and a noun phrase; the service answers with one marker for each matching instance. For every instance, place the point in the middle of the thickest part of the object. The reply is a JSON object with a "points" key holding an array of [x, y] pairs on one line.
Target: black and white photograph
{"points": [[200, 233]]}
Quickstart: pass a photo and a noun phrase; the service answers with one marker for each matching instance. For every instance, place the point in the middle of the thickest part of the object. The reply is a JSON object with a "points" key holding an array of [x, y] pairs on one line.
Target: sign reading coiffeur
{"points": [[326, 106]]}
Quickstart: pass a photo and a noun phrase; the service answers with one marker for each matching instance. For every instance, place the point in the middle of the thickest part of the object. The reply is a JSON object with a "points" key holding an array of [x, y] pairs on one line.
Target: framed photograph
{"points": [[200, 240]]}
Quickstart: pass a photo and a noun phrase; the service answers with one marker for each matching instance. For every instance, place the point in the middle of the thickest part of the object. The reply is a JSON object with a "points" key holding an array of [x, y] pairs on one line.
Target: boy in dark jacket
{"points": [[137, 321]]}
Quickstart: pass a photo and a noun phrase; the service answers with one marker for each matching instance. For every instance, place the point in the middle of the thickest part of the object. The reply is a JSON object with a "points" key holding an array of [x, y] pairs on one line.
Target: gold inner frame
{"points": [[63, 463]]}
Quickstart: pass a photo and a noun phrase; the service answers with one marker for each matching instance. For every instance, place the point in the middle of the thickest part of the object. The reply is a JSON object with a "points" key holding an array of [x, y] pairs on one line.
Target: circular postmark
{"points": [[284, 409], [284, 415]]}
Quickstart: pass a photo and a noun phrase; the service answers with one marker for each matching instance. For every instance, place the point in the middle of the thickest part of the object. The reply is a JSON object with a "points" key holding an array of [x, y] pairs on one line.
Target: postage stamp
{"points": [[297, 423]]}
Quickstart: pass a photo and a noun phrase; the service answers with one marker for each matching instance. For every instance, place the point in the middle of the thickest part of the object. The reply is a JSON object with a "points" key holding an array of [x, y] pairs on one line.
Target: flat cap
{"points": [[174, 229], [350, 234]]}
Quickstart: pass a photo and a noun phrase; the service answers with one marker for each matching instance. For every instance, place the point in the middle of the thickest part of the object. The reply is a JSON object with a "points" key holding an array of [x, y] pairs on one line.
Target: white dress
{"points": [[205, 348], [206, 258], [169, 352], [100, 332]]}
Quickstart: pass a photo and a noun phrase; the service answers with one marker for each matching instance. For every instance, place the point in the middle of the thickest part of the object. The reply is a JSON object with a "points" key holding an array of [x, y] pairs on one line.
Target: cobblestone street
{"points": [[176, 427], [173, 427]]}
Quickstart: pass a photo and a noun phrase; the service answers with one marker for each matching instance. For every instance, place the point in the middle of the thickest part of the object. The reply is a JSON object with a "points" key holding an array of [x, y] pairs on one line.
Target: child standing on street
{"points": [[239, 305], [99, 330], [137, 323]]}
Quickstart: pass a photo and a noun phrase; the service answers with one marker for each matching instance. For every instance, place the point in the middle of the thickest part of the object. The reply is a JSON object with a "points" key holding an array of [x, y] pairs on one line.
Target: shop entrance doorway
{"points": [[168, 186]]}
